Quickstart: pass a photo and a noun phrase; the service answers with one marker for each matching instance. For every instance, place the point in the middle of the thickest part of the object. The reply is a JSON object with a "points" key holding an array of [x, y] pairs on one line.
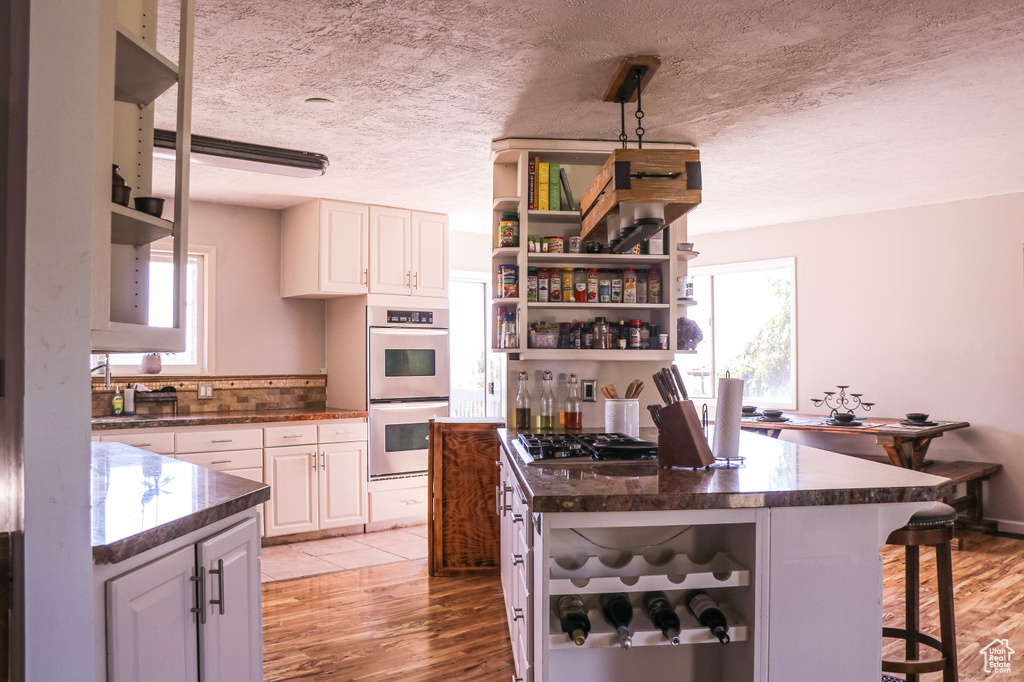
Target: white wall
{"points": [[469, 252], [258, 332], [920, 309], [61, 206]]}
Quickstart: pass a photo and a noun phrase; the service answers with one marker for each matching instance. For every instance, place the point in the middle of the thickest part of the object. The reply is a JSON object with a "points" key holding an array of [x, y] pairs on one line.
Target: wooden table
{"points": [[906, 446]]}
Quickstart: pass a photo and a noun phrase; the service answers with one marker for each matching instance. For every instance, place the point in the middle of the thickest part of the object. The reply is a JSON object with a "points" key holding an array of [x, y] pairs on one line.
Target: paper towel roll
{"points": [[728, 413]]}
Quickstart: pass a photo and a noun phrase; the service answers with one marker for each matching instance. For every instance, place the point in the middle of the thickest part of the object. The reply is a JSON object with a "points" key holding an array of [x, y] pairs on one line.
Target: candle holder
{"points": [[842, 403]]}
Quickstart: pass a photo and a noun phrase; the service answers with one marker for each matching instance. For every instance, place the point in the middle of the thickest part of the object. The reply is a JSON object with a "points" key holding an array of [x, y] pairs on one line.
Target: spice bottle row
{"points": [[583, 285], [599, 334]]}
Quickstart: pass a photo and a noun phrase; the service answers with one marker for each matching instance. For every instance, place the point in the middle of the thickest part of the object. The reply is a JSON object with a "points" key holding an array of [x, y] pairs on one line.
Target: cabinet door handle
{"points": [[314, 461], [364, 275], [292, 435], [323, 462], [222, 440], [143, 445], [220, 461], [416, 280], [517, 518], [220, 584], [200, 582], [517, 559], [517, 614]]}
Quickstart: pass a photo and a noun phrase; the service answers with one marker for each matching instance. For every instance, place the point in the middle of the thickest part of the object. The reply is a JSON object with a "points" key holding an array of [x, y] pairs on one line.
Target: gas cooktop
{"points": [[538, 448]]}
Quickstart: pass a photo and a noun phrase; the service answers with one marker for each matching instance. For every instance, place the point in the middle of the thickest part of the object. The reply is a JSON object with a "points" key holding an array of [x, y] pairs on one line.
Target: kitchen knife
{"points": [[670, 382], [663, 389], [653, 409], [679, 380]]}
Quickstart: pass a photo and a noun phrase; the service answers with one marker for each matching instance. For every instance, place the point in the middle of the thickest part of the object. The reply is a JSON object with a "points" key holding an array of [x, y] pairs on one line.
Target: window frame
{"points": [[740, 267], [205, 319]]}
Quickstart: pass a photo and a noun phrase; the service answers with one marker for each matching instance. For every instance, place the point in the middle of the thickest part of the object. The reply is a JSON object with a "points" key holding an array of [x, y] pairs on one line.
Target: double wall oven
{"points": [[408, 384]]}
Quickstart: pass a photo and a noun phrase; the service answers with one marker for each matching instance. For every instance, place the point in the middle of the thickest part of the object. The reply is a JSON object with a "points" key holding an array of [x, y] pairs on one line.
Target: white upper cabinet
{"points": [[429, 254], [390, 250], [324, 249]]}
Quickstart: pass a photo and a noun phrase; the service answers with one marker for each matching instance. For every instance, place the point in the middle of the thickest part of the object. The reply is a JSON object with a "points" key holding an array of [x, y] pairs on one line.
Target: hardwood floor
{"points": [[394, 623], [387, 622]]}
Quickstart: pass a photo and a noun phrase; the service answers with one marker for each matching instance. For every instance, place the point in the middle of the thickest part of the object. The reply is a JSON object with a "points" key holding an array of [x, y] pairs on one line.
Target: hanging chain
{"points": [[639, 112], [622, 136]]}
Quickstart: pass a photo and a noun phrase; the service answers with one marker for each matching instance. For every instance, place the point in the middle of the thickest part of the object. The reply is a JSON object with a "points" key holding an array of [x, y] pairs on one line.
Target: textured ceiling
{"points": [[800, 109]]}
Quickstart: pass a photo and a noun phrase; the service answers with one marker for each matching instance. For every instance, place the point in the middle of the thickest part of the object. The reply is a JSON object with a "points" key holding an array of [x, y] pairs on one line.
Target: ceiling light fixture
{"points": [[639, 191], [212, 151]]}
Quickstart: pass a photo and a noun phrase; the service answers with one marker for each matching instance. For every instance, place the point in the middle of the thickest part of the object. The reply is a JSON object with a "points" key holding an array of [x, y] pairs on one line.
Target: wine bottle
{"points": [[658, 608], [573, 616], [707, 613], [618, 612], [523, 404]]}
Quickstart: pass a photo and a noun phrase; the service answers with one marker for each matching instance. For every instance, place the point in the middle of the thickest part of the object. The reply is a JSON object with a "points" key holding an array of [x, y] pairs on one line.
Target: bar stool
{"points": [[932, 527]]}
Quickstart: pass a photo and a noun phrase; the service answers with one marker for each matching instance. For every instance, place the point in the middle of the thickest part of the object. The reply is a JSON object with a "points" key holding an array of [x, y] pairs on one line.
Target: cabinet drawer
{"points": [[343, 431], [299, 434], [217, 441], [387, 505], [162, 443], [227, 460]]}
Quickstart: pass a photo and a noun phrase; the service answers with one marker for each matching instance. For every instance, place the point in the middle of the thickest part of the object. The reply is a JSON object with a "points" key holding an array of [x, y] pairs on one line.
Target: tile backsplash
{"points": [[230, 393]]}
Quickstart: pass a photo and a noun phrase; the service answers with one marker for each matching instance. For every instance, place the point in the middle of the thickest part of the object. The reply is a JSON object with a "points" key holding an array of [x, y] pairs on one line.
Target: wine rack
{"points": [[638, 574], [642, 631]]}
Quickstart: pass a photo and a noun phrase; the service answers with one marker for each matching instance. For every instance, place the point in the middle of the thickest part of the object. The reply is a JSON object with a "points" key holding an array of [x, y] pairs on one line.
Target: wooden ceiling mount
{"points": [[622, 87]]}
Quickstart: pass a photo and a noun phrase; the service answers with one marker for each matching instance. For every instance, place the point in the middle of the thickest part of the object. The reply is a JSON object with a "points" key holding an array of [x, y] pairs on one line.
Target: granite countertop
{"points": [[775, 474], [140, 500], [215, 418]]}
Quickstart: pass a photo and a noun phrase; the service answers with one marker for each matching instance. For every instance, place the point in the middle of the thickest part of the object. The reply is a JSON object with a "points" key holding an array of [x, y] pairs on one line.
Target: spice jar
{"points": [[508, 229], [579, 285], [592, 285], [568, 285], [531, 284], [616, 286], [604, 286], [554, 244], [654, 285], [629, 285], [542, 285], [641, 286], [634, 334]]}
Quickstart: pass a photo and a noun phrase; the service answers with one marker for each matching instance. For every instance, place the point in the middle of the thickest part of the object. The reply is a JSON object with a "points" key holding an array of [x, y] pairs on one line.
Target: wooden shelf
{"points": [[136, 228], [561, 216], [624, 259], [600, 306], [141, 74], [507, 203], [686, 255]]}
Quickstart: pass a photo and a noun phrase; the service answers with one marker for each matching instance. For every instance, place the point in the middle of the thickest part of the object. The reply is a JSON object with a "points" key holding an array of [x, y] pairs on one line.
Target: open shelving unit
{"points": [[137, 75]]}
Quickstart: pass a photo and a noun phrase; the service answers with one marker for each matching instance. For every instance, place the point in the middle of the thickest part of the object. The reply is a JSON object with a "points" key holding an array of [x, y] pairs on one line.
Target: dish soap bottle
{"points": [[546, 418], [118, 403]]}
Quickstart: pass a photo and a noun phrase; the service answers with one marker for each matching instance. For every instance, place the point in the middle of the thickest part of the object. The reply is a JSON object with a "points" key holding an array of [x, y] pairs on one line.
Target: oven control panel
{"points": [[410, 317]]}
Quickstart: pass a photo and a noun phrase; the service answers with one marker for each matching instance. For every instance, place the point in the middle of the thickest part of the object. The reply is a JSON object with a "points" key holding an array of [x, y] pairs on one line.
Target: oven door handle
{"points": [[406, 331]]}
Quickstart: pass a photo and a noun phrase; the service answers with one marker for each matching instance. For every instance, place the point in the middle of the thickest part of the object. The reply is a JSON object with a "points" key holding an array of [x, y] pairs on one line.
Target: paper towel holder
{"points": [[681, 441]]}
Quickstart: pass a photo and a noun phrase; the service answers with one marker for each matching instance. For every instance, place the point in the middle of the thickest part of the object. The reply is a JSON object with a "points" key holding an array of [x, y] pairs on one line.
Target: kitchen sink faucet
{"points": [[105, 366]]}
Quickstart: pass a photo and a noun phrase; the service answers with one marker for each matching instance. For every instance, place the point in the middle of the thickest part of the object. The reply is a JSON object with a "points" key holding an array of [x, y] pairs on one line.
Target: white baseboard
{"points": [[1016, 527]]}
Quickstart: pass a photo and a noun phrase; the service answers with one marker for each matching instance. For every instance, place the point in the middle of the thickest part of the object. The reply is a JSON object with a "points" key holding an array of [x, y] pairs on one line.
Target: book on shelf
{"points": [[542, 186], [570, 203], [554, 192], [531, 181]]}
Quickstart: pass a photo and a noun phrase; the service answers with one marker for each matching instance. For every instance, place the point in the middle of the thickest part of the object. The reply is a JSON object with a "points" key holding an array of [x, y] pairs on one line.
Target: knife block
{"points": [[681, 442]]}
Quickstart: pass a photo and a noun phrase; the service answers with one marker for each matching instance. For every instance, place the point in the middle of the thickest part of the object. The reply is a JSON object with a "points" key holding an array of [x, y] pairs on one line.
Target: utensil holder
{"points": [[681, 442], [622, 415]]}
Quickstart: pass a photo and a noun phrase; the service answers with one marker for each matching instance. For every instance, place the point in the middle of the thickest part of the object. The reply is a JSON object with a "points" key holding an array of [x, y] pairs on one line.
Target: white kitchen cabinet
{"points": [[231, 636], [172, 620], [429, 254], [390, 250], [291, 473], [160, 442], [408, 252], [151, 630], [324, 249], [342, 484]]}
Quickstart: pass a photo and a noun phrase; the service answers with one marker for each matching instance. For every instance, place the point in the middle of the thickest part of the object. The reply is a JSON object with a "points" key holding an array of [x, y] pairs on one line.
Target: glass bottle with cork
{"points": [[546, 417], [572, 414], [523, 404]]}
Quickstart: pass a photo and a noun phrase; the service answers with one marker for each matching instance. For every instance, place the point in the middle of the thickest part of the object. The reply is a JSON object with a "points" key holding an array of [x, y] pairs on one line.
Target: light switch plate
{"points": [[205, 391], [589, 390]]}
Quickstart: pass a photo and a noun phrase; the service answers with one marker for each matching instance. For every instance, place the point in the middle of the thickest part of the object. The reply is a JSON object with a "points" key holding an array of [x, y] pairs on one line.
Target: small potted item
{"points": [[154, 206], [151, 363], [120, 191]]}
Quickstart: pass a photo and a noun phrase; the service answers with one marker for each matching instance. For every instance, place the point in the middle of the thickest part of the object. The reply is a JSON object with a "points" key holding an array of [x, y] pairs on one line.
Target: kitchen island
{"points": [[177, 579], [787, 544]]}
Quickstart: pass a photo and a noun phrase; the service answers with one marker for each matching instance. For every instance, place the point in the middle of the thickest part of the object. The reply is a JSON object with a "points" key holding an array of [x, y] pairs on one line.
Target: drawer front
{"points": [[217, 441], [299, 434], [388, 505], [161, 443], [343, 431], [227, 460]]}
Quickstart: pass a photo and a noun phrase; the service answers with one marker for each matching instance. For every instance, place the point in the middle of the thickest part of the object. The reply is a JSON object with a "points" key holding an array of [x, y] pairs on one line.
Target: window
{"points": [[748, 320], [477, 388], [199, 296]]}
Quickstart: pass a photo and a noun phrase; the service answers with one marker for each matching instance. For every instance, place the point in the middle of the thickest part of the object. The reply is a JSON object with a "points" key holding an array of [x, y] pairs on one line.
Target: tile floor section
{"points": [[314, 557]]}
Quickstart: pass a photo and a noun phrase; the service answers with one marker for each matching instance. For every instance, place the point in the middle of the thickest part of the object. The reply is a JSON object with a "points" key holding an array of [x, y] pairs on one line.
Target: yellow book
{"points": [[542, 186]]}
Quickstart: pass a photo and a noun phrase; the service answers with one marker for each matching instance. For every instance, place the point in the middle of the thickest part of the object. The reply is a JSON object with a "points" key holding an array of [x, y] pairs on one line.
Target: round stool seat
{"points": [[939, 515]]}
